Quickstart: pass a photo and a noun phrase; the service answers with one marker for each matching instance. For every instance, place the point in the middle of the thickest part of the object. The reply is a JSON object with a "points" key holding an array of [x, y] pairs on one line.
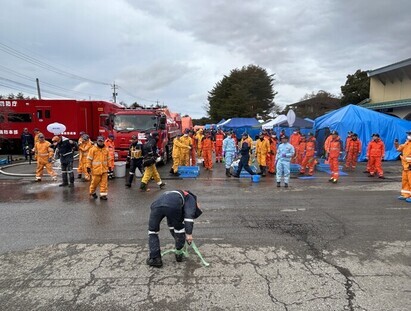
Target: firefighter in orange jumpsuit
{"points": [[327, 146], [185, 151], [199, 137], [349, 137], [178, 149], [98, 159], [37, 133], [262, 149], [109, 143], [332, 154], [207, 146], [375, 155], [295, 141], [44, 154], [272, 153], [353, 150], [193, 153], [300, 150], [405, 149], [219, 137], [80, 157], [83, 148], [309, 155]]}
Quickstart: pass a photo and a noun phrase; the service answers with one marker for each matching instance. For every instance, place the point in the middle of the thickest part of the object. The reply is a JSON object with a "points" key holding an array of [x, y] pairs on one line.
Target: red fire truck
{"points": [[77, 115], [140, 122]]}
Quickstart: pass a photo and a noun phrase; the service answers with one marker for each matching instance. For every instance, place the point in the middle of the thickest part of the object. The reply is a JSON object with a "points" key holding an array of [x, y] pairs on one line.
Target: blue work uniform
{"points": [[285, 152], [229, 150]]}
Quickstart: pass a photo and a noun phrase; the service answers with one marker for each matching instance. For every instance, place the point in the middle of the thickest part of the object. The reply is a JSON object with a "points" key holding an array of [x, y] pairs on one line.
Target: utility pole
{"points": [[38, 88], [114, 87]]}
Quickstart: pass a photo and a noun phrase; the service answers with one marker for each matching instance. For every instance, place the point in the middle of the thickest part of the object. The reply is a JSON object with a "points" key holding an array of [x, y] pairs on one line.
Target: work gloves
{"points": [[89, 170]]}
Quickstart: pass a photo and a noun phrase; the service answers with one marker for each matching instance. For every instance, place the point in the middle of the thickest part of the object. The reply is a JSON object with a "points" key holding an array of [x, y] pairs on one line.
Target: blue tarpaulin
{"points": [[364, 122], [241, 125]]}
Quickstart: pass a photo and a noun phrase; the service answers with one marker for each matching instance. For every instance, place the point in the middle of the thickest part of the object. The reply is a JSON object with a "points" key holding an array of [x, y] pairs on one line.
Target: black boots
{"points": [[130, 181], [155, 262], [227, 172]]}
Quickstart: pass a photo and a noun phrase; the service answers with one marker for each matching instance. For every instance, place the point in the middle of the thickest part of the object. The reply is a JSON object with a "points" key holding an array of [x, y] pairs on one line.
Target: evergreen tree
{"points": [[246, 92], [356, 88]]}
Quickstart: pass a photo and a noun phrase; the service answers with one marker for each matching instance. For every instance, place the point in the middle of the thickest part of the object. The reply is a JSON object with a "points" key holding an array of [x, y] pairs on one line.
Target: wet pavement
{"points": [[313, 246]]}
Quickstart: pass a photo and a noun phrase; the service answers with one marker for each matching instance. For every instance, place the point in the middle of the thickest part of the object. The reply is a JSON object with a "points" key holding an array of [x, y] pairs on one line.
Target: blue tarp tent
{"points": [[241, 125], [364, 122]]}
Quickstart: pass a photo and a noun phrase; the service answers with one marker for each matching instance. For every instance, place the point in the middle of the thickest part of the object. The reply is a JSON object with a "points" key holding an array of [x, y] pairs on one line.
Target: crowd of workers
{"points": [[180, 207], [274, 155]]}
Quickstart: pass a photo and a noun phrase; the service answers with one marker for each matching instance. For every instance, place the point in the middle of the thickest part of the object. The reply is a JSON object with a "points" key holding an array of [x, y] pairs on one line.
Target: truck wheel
{"points": [[165, 157]]}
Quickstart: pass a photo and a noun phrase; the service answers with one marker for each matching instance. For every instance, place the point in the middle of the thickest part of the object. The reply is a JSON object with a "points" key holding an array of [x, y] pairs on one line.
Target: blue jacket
{"points": [[285, 152], [229, 144]]}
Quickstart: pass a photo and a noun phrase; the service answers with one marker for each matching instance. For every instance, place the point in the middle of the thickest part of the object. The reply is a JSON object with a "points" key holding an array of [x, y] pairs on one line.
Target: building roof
{"points": [[316, 100], [390, 104], [391, 72]]}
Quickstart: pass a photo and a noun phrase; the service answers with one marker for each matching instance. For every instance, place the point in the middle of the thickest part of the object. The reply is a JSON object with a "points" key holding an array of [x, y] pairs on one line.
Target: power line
{"points": [[34, 61], [29, 87], [137, 97], [47, 83]]}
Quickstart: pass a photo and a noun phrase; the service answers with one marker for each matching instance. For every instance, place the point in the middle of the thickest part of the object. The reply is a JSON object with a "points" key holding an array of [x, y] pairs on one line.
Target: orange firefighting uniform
{"points": [[406, 168], [83, 149], [185, 151], [219, 137], [353, 150], [111, 148], [98, 159], [327, 146], [80, 156], [295, 141], [334, 150], [199, 137], [271, 155], [309, 157], [43, 153], [207, 146], [262, 149], [178, 147], [375, 154], [300, 150], [193, 152]]}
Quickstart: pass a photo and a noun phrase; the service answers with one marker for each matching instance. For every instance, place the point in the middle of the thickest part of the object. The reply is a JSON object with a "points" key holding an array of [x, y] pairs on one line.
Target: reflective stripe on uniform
{"points": [[405, 191], [180, 231], [67, 153], [175, 191], [188, 220], [152, 232], [171, 228]]}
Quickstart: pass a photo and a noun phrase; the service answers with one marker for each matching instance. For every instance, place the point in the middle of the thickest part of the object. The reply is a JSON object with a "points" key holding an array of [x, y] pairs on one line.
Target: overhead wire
{"points": [[13, 52], [47, 83], [132, 95]]}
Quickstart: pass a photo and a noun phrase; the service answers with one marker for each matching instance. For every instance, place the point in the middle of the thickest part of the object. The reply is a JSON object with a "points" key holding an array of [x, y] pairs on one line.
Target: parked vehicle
{"points": [[141, 122], [77, 115]]}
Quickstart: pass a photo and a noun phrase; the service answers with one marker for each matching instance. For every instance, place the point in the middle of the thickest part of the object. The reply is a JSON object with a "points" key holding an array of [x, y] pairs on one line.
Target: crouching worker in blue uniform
{"points": [[180, 208]]}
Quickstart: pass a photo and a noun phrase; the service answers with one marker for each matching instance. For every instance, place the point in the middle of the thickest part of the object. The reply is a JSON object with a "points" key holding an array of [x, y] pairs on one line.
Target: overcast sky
{"points": [[176, 51]]}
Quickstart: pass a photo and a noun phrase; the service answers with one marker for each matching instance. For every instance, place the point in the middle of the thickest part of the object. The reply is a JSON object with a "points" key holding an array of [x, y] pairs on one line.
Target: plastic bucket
{"points": [[255, 178], [120, 169]]}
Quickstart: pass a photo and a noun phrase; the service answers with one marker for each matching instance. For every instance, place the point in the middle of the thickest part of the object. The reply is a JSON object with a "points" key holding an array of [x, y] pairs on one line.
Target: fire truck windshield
{"points": [[135, 122]]}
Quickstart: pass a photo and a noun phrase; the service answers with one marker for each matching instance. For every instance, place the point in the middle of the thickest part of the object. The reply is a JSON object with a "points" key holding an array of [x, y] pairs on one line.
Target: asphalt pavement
{"points": [[313, 246]]}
